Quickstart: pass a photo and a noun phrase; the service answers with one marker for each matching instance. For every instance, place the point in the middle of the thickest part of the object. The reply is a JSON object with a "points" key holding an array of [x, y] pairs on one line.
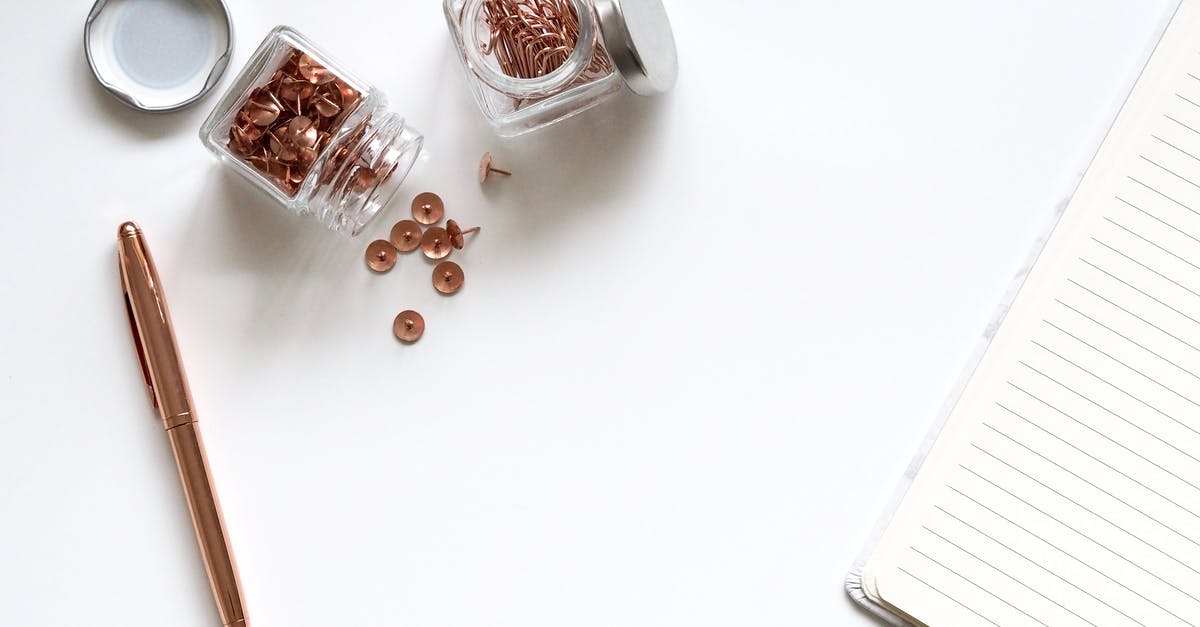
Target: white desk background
{"points": [[702, 335]]}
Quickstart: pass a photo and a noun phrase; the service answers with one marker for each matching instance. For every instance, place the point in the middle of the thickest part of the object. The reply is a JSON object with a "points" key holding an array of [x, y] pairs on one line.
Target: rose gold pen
{"points": [[154, 338]]}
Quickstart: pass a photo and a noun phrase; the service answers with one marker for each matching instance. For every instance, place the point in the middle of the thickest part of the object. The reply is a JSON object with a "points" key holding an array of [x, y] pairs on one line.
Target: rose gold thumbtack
{"points": [[293, 90], [326, 103], [381, 256], [485, 168], [428, 208], [457, 234], [436, 243], [448, 277], [314, 72], [406, 236], [409, 326], [263, 108]]}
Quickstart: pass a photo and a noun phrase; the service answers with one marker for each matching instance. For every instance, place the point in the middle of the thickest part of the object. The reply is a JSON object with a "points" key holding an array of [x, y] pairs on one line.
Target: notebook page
{"points": [[1065, 487]]}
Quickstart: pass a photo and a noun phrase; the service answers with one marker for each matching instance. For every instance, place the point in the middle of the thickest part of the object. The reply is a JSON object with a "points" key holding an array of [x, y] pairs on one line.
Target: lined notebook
{"points": [[1064, 488]]}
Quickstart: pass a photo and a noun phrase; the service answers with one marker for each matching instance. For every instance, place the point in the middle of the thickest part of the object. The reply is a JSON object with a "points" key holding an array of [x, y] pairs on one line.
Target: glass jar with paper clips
{"points": [[531, 63]]}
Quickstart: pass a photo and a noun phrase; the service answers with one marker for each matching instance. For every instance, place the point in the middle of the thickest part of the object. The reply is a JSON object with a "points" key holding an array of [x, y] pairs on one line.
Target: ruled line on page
{"points": [[960, 603], [1111, 412], [1116, 387], [1169, 170], [1120, 335], [1143, 320], [1104, 435], [1144, 239], [1046, 569], [1102, 463], [1187, 100], [1026, 557], [1126, 338], [1043, 540], [976, 585], [1012, 578], [1169, 117], [1136, 289], [1149, 269], [1126, 365], [1156, 191], [1091, 511], [1160, 220]]}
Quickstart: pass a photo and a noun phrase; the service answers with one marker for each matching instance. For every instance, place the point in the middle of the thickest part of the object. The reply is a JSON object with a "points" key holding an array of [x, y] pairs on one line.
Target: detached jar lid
{"points": [[158, 55], [639, 39]]}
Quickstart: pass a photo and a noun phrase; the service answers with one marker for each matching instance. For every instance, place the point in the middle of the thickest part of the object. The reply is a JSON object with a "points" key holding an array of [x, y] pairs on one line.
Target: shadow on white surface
{"points": [[292, 262], [594, 155]]}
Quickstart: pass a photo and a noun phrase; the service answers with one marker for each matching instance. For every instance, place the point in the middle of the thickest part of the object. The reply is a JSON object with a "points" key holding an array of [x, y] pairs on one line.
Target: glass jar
{"points": [[531, 63], [312, 135]]}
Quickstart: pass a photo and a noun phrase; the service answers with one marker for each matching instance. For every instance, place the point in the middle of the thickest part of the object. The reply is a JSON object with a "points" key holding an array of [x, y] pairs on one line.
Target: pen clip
{"points": [[137, 337]]}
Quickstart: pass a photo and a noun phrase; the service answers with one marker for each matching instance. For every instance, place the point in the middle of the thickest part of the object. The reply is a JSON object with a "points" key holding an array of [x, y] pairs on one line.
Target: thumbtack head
{"points": [[406, 236], [314, 72], [486, 169], [436, 243], [457, 234], [409, 326], [448, 277], [428, 208], [381, 256]]}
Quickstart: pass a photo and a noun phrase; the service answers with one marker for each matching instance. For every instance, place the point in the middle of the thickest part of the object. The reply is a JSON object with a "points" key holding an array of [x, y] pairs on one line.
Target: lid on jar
{"points": [[638, 36], [158, 55]]}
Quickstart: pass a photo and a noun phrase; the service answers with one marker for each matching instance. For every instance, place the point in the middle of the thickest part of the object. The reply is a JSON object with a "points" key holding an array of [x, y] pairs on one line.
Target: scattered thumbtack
{"points": [[486, 169], [406, 236], [457, 234], [436, 243], [381, 256], [448, 277], [409, 326], [428, 208]]}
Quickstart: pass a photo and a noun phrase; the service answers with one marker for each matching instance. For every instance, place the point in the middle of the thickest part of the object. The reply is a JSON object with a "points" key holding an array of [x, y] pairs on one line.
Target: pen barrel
{"points": [[209, 523]]}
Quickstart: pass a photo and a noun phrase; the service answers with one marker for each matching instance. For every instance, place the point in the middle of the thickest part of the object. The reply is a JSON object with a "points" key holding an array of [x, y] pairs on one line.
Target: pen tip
{"points": [[128, 229]]}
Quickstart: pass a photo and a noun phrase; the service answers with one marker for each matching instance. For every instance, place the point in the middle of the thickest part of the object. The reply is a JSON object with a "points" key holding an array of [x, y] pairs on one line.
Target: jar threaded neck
{"points": [[364, 170]]}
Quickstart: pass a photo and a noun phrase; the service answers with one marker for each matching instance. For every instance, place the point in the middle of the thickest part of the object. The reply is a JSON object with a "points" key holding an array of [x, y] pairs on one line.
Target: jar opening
{"points": [[530, 48], [529, 39]]}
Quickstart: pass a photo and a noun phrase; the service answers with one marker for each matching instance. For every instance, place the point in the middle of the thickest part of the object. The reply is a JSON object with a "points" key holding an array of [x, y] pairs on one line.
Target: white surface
{"points": [[701, 338]]}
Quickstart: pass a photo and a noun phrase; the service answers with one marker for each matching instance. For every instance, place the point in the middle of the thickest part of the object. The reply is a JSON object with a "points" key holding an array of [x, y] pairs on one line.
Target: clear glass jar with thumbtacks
{"points": [[313, 136], [531, 63]]}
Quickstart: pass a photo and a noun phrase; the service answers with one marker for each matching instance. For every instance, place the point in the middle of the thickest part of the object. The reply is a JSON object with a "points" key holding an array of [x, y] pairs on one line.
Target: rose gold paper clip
{"points": [[154, 339]]}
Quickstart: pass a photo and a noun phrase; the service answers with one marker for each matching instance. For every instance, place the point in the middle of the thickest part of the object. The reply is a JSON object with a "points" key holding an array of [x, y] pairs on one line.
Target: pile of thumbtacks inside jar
{"points": [[436, 243]]}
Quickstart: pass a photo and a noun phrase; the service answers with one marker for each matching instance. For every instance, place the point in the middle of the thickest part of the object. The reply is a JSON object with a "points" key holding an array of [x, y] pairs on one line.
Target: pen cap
{"points": [[153, 334]]}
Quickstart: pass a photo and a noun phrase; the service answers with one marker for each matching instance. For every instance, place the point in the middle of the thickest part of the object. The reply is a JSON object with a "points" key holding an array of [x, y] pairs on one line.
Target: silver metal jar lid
{"points": [[158, 55], [639, 39]]}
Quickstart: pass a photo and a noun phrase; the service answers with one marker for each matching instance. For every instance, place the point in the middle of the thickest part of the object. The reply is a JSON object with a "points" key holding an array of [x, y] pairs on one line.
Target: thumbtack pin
{"points": [[457, 234], [448, 277], [381, 256], [409, 326], [485, 168], [428, 208]]}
